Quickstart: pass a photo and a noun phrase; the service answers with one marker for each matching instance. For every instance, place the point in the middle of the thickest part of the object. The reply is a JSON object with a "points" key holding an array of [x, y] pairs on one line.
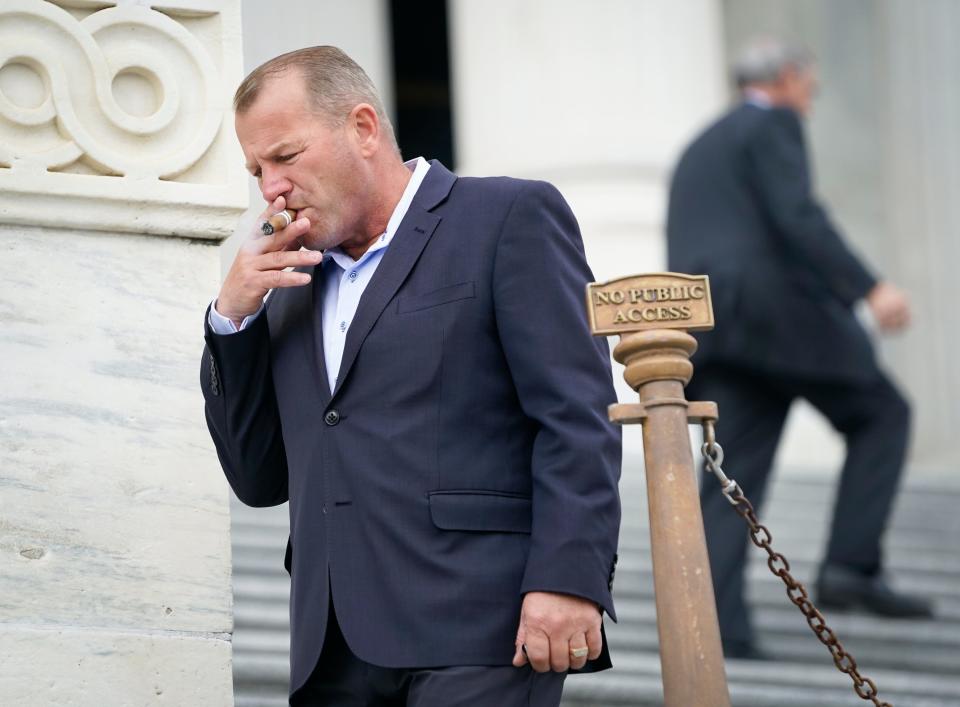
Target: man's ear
{"points": [[364, 125]]}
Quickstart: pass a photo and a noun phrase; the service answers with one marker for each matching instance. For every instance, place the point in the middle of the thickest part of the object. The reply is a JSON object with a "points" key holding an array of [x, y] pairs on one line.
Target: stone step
{"points": [[634, 595], [261, 615], [914, 663], [262, 586], [798, 517], [247, 700], [808, 650], [804, 551], [261, 603], [260, 674], [262, 680], [764, 587], [789, 619], [920, 572], [636, 680], [264, 641]]}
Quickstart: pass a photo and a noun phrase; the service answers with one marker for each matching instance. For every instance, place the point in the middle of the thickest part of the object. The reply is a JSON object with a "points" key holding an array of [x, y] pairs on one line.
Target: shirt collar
{"points": [[756, 97], [418, 167]]}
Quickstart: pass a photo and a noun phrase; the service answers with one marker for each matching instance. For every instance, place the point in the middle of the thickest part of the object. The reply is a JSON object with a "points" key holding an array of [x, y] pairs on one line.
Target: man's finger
{"points": [[559, 654], [520, 650], [594, 641], [275, 207], [294, 245], [282, 239], [273, 279], [538, 652], [254, 241], [578, 646], [519, 655], [280, 259]]}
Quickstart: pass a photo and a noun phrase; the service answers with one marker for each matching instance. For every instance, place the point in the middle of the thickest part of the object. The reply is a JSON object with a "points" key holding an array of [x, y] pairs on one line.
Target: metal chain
{"points": [[713, 457]]}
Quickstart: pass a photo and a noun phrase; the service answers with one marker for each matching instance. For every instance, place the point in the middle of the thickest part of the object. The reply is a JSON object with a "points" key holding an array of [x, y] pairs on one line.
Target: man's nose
{"points": [[273, 184]]}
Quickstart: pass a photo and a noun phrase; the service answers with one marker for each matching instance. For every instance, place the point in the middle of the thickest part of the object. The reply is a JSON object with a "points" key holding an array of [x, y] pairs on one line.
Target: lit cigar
{"points": [[276, 222]]}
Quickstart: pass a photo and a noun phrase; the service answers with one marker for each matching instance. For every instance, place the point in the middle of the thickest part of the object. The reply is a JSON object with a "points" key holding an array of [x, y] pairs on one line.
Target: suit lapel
{"points": [[295, 314], [402, 254]]}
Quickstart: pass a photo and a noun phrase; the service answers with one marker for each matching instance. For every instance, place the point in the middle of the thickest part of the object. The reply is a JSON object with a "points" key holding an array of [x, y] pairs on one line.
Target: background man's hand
{"points": [[553, 624], [260, 264], [889, 306]]}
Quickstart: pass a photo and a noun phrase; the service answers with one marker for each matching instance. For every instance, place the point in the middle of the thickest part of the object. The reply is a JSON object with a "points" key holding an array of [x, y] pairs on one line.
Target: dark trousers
{"points": [[343, 680], [874, 419]]}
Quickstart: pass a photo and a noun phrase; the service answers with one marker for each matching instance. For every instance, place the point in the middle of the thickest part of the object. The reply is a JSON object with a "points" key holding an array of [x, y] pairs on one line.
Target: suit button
{"points": [[332, 418]]}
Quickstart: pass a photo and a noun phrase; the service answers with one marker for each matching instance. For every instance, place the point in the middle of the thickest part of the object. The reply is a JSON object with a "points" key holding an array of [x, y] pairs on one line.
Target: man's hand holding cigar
{"points": [[261, 264]]}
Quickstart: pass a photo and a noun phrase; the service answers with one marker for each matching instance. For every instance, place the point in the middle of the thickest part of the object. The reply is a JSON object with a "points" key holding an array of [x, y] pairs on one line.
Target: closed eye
{"points": [[281, 159]]}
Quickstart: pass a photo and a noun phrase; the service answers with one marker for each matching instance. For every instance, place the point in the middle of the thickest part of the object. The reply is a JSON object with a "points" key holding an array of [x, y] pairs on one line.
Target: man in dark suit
{"points": [[424, 390], [784, 285]]}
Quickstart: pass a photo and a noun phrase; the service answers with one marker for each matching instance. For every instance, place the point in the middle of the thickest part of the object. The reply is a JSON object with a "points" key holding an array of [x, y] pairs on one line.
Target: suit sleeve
{"points": [[242, 415], [563, 380], [778, 158]]}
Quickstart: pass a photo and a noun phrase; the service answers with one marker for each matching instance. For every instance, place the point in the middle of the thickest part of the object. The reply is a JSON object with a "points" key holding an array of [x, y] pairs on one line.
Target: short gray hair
{"points": [[763, 59], [334, 81]]}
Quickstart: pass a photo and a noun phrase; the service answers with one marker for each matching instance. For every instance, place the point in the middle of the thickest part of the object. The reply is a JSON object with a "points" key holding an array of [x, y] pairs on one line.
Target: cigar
{"points": [[276, 222]]}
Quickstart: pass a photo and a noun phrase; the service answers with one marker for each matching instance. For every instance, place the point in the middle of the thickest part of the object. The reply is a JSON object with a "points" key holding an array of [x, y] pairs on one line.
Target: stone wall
{"points": [[597, 98], [119, 175]]}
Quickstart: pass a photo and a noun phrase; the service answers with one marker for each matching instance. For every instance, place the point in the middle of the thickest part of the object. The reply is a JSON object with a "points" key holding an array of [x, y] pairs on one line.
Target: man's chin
{"points": [[313, 241]]}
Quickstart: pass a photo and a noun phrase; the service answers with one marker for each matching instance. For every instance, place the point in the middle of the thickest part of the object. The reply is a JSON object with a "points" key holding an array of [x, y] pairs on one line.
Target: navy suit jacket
{"points": [[464, 457], [783, 281]]}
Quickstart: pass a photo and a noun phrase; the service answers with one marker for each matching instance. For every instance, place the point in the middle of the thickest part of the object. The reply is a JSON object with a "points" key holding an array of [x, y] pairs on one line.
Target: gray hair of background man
{"points": [[763, 59], [335, 83]]}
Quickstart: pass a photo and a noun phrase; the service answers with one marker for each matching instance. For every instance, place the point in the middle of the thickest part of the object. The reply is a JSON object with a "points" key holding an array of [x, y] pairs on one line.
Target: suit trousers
{"points": [[873, 418], [341, 679]]}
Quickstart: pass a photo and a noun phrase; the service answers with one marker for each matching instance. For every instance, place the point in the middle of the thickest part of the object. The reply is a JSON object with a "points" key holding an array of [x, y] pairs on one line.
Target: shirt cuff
{"points": [[222, 326]]}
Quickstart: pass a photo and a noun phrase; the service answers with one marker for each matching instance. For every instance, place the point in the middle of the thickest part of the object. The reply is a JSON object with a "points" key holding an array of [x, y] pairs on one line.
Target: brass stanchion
{"points": [[650, 313]]}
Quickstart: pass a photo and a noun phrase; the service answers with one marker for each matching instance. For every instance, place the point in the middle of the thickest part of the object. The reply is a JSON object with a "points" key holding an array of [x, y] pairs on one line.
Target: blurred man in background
{"points": [[784, 285]]}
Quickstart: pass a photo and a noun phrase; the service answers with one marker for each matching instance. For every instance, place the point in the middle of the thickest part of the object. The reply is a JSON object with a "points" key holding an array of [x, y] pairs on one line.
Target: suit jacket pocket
{"points": [[451, 293], [478, 510]]}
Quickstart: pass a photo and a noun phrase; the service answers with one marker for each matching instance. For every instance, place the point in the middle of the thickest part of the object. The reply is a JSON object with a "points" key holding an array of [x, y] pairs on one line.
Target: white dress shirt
{"points": [[344, 280]]}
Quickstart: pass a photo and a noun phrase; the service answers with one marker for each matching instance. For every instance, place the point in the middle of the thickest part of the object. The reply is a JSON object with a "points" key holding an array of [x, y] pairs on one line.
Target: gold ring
{"points": [[579, 652]]}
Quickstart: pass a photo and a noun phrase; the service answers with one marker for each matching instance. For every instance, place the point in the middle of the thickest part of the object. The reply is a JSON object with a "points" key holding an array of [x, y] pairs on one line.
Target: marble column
{"points": [[919, 111], [119, 175], [597, 98]]}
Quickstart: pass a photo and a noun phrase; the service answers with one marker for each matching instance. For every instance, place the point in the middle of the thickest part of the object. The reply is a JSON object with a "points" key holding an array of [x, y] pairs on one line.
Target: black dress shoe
{"points": [[844, 588], [743, 650]]}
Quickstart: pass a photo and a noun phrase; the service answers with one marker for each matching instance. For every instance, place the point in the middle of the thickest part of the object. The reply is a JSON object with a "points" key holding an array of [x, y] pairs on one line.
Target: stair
{"points": [[914, 664]]}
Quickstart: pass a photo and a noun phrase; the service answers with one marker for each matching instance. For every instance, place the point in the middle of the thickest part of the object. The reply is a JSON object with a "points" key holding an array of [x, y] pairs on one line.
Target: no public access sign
{"points": [[655, 301]]}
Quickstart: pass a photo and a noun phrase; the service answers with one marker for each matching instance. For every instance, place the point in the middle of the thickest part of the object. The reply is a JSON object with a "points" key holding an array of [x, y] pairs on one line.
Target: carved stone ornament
{"points": [[116, 115]]}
